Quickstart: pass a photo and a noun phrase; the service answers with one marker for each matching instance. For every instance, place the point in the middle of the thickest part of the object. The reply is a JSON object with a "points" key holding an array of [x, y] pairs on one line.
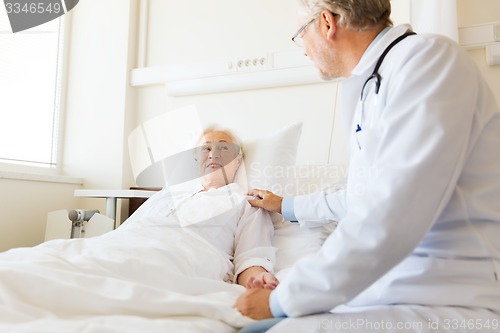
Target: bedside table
{"points": [[112, 197]]}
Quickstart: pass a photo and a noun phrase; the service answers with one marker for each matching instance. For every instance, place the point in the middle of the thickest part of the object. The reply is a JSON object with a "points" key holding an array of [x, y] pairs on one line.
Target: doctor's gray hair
{"points": [[354, 14]]}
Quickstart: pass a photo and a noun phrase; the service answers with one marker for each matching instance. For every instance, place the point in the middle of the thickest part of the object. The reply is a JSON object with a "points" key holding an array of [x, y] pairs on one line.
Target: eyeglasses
{"points": [[297, 38]]}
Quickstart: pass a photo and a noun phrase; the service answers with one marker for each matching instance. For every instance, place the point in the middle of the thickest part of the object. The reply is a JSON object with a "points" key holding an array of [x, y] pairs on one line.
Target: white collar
{"points": [[377, 47]]}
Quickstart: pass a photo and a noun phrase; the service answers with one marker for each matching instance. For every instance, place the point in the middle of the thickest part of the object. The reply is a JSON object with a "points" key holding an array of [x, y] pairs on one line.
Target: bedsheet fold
{"points": [[138, 278]]}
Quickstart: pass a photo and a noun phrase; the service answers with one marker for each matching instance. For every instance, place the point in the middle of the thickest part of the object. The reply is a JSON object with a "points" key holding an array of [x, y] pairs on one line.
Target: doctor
{"points": [[420, 216]]}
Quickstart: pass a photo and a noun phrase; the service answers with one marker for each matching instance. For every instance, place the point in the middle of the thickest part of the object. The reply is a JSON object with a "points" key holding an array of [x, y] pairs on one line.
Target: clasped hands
{"points": [[254, 301]]}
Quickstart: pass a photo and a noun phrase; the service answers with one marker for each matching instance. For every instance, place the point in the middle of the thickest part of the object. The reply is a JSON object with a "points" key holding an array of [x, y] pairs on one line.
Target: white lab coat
{"points": [[420, 215]]}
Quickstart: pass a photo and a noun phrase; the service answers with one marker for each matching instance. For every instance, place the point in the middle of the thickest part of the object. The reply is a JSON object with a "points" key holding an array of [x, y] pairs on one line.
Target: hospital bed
{"points": [[64, 286]]}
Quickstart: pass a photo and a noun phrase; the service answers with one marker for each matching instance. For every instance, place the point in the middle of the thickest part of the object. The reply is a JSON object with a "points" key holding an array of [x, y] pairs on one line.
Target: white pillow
{"points": [[312, 178], [267, 158], [294, 242]]}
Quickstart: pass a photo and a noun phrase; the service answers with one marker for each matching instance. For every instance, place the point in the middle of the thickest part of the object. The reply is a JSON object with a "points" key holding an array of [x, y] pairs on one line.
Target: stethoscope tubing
{"points": [[376, 75]]}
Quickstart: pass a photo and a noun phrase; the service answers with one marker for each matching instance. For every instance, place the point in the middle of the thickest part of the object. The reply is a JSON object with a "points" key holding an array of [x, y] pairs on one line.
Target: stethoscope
{"points": [[376, 77]]}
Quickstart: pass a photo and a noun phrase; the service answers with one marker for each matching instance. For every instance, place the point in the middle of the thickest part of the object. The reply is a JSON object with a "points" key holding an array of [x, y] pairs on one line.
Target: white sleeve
{"points": [[320, 207], [253, 239], [418, 148]]}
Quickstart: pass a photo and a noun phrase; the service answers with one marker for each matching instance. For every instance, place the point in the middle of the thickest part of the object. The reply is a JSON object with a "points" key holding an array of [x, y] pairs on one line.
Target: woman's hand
{"points": [[263, 280]]}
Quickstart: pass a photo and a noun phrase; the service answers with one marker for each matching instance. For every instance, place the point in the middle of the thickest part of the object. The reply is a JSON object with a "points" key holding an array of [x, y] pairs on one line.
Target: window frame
{"points": [[10, 169]]}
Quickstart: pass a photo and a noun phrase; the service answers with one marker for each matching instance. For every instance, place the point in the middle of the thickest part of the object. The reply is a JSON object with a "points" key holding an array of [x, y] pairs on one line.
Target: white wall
{"points": [[472, 12], [196, 31], [24, 205], [99, 99], [100, 109], [100, 112]]}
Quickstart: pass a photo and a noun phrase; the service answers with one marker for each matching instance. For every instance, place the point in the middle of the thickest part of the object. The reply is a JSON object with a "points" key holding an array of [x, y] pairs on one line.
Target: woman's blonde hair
{"points": [[236, 140]]}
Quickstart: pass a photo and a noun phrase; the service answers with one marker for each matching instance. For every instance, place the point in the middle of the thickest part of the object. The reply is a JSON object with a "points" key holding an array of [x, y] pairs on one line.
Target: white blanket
{"points": [[124, 281]]}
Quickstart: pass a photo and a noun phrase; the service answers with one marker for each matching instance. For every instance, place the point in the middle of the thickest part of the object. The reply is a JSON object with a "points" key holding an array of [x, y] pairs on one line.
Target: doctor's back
{"points": [[449, 150]]}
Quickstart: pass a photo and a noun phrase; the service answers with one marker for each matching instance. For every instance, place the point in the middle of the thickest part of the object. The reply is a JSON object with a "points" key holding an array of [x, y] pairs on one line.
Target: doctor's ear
{"points": [[328, 23]]}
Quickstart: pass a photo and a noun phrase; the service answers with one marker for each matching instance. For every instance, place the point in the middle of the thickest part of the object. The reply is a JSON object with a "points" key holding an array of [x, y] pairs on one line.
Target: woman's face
{"points": [[218, 158]]}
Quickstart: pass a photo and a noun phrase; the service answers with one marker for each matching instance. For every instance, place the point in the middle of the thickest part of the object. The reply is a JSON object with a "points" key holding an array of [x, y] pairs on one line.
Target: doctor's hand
{"points": [[266, 199], [264, 280], [254, 303]]}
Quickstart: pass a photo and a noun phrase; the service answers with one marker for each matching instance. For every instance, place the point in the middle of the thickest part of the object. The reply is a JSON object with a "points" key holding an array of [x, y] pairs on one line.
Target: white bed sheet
{"points": [[394, 319], [124, 281], [129, 281]]}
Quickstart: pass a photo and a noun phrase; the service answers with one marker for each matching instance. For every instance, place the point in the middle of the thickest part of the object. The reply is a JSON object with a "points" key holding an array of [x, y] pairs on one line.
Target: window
{"points": [[30, 89]]}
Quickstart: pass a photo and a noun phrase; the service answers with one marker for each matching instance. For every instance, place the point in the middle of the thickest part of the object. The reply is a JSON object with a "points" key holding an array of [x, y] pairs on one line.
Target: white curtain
{"points": [[435, 16]]}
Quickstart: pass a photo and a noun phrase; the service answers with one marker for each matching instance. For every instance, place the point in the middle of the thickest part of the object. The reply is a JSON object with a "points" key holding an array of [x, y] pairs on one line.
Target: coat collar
{"points": [[377, 47]]}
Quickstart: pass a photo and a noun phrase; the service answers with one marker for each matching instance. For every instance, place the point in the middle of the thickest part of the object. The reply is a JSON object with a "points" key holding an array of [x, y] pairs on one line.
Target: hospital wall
{"points": [[101, 108], [473, 12], [199, 31], [98, 106]]}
